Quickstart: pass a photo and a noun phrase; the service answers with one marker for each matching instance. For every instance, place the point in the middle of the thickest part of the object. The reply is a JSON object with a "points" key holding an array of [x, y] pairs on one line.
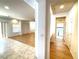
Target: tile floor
{"points": [[12, 49]]}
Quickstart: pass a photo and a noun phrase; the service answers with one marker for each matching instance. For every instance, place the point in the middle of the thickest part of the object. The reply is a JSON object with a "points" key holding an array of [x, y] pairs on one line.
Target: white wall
{"points": [[40, 30], [72, 31], [42, 39], [9, 27], [25, 27], [10, 32], [32, 26], [52, 23]]}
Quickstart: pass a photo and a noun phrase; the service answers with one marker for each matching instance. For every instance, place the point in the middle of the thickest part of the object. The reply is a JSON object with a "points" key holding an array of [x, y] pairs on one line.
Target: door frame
{"points": [[64, 17]]}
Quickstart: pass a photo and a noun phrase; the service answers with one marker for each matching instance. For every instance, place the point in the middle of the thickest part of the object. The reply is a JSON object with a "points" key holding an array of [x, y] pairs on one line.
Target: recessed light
{"points": [[62, 6], [6, 7]]}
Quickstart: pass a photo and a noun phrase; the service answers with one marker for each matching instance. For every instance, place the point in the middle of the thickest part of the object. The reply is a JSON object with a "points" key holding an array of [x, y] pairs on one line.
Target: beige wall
{"points": [[71, 30]]}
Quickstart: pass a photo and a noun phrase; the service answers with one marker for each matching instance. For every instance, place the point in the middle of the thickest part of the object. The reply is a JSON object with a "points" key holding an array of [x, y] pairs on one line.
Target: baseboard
{"points": [[22, 34], [69, 49], [72, 54], [28, 33]]}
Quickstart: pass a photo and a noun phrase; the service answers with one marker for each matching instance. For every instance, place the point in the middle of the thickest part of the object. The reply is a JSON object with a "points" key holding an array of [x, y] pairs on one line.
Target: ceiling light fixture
{"points": [[6, 7], [14, 21], [62, 6]]}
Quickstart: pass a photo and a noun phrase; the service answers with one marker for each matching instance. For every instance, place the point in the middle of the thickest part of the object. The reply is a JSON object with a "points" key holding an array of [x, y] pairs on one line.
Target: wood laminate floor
{"points": [[28, 39], [58, 50]]}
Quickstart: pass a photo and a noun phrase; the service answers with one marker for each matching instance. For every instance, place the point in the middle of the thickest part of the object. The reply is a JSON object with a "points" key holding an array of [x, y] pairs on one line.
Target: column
{"points": [[42, 34]]}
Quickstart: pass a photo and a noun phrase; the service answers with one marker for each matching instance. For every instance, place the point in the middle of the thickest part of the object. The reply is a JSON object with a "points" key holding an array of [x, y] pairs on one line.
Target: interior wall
{"points": [[25, 27], [71, 30], [32, 26], [52, 23], [9, 27], [42, 38], [10, 32]]}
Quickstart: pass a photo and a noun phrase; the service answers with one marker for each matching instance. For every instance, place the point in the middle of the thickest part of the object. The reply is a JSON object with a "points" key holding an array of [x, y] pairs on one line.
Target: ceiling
{"points": [[55, 5], [18, 9]]}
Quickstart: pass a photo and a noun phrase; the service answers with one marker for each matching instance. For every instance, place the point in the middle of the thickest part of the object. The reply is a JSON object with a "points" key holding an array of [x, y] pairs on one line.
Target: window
{"points": [[60, 31], [16, 27]]}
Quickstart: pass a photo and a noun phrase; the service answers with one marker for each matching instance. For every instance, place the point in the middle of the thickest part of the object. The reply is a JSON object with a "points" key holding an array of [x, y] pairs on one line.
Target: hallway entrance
{"points": [[58, 47], [60, 28]]}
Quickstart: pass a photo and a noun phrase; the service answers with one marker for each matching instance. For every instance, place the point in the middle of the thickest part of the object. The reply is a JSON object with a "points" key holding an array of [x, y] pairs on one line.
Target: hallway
{"points": [[66, 28], [58, 50]]}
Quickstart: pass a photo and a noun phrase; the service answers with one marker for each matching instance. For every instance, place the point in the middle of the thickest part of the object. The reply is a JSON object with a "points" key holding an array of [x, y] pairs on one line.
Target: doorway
{"points": [[60, 28], [3, 30]]}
